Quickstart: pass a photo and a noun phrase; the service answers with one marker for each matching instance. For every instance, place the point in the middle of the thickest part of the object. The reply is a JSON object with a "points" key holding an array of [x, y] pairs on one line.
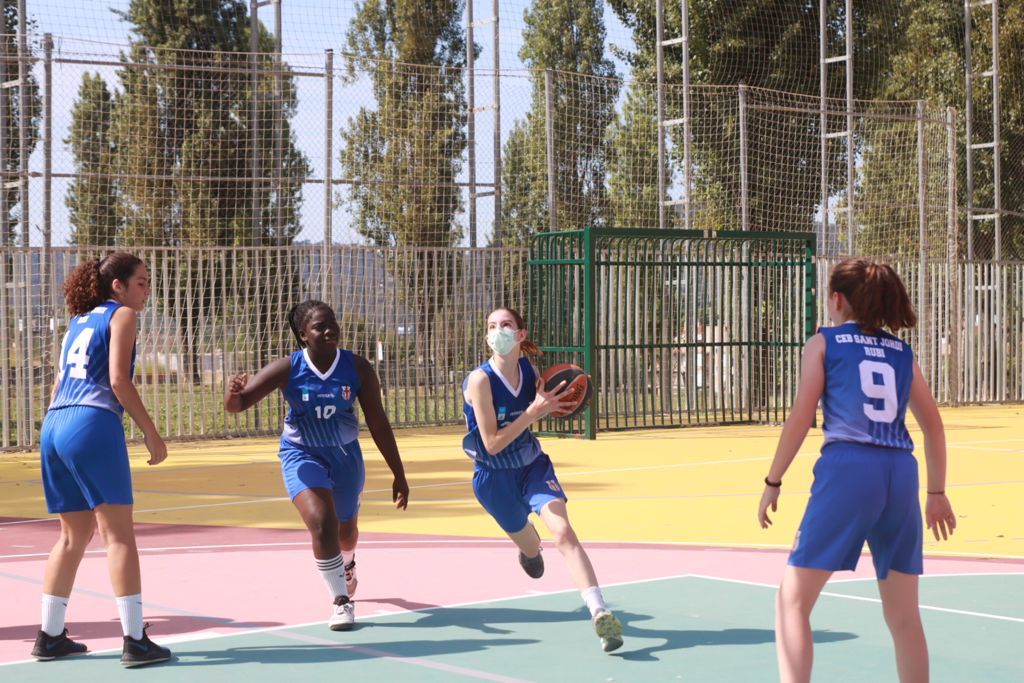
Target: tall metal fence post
{"points": [[922, 230], [6, 241], [326, 254], [497, 239], [953, 262], [744, 187], [471, 121], [254, 118], [48, 288], [549, 130]]}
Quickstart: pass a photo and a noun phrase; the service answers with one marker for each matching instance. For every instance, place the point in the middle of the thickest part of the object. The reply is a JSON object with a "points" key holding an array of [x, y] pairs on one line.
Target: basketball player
{"points": [[321, 460], [512, 476], [866, 480], [84, 457]]}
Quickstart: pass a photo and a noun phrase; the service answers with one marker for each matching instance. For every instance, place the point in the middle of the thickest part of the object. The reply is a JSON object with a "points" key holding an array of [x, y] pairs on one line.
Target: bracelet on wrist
{"points": [[773, 484], [937, 493]]}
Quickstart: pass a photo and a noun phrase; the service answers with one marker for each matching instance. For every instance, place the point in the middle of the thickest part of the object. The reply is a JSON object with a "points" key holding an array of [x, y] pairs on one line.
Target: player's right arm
{"points": [[242, 393], [801, 416], [478, 395], [938, 510]]}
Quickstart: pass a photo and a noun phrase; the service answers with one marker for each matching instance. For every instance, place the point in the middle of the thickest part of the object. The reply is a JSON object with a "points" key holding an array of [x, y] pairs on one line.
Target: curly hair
{"points": [[92, 282], [300, 313]]}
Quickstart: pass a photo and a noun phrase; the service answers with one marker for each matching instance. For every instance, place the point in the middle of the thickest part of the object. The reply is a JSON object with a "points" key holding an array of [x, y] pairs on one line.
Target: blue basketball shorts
{"points": [[84, 459], [510, 495], [862, 493], [339, 470]]}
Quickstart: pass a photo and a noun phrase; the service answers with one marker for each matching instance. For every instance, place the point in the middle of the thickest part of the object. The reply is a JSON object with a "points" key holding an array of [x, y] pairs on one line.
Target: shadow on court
{"points": [[314, 654], [681, 639], [159, 626], [489, 620]]}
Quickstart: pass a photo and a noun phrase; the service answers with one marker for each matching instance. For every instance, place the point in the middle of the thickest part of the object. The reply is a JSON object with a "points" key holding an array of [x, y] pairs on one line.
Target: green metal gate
{"points": [[676, 327]]}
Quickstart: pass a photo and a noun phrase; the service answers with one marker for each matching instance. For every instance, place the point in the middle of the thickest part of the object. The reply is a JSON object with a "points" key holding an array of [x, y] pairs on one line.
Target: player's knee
{"points": [[791, 602], [324, 530], [564, 537], [902, 619]]}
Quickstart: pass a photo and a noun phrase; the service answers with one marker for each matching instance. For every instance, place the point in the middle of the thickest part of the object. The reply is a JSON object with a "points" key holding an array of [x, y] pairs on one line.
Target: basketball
{"points": [[577, 387]]}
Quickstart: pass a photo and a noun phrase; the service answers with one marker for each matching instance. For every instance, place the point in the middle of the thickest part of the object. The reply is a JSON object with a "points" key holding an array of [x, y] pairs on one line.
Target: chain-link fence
{"points": [[237, 158]]}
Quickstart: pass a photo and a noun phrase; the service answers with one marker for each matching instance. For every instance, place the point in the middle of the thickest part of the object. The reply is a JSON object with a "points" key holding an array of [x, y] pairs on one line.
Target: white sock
{"points": [[54, 607], [333, 571], [348, 557], [129, 607], [595, 601]]}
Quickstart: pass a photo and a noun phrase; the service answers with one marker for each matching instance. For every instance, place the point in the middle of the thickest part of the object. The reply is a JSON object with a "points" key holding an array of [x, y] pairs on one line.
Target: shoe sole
{"points": [[341, 627], [133, 665], [609, 630], [45, 658]]}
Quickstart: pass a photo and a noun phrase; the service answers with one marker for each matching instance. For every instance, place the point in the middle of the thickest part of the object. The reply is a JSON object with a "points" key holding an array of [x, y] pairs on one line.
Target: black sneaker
{"points": [[143, 651], [49, 647], [533, 566]]}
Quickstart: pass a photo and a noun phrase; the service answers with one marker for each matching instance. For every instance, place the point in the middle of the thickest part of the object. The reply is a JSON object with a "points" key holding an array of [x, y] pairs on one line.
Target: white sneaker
{"points": [[343, 618], [351, 581], [609, 630]]}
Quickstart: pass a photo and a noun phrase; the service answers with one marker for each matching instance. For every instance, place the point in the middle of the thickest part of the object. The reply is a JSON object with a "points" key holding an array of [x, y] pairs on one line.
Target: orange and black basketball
{"points": [[577, 387]]}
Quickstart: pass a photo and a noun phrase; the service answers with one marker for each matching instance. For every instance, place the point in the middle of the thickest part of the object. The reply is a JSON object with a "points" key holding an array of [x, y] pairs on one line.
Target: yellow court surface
{"points": [[690, 486]]}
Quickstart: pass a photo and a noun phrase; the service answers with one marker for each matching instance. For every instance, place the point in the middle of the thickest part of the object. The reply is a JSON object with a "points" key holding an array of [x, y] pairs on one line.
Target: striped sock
{"points": [[129, 607], [333, 571], [54, 607]]}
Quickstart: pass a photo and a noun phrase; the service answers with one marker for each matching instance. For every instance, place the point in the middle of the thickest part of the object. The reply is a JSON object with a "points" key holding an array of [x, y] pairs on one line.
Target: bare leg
{"points": [[76, 530], [556, 518], [316, 506], [902, 615], [527, 540], [794, 642], [117, 529], [348, 534]]}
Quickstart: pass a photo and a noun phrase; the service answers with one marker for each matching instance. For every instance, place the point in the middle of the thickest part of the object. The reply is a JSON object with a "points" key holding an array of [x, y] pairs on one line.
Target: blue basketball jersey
{"points": [[867, 387], [507, 406], [84, 364], [321, 411]]}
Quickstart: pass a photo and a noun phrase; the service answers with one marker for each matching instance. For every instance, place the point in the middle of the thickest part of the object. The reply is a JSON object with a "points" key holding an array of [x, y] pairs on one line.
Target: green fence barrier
{"points": [[676, 327]]}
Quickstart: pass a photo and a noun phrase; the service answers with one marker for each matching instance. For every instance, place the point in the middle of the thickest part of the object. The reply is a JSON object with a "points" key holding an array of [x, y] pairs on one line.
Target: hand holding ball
{"points": [[576, 391]]}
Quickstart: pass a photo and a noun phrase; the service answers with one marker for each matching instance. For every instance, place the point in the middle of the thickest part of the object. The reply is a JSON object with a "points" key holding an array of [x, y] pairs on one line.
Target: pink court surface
{"points": [[668, 517]]}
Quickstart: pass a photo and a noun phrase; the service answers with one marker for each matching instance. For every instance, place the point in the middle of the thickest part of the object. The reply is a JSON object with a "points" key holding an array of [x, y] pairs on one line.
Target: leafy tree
{"points": [[92, 197], [406, 153], [11, 102], [566, 37], [633, 161]]}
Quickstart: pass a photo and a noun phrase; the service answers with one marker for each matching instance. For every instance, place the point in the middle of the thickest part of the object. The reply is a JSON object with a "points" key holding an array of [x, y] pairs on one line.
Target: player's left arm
{"points": [[380, 428], [801, 417], [938, 511]]}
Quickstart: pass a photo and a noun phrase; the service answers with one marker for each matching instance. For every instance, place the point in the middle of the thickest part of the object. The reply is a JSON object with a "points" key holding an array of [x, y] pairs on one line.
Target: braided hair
{"points": [[300, 313]]}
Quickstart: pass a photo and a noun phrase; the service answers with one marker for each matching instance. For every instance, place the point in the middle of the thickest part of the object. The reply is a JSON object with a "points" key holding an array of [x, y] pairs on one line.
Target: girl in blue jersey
{"points": [[84, 458], [866, 480], [321, 460], [512, 476]]}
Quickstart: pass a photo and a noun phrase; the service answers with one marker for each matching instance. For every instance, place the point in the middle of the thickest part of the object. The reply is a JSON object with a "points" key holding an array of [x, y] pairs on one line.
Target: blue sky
{"points": [[309, 27]]}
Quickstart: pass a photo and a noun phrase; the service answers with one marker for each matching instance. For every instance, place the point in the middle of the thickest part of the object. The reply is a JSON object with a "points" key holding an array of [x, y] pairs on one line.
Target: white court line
{"points": [[877, 601], [271, 629]]}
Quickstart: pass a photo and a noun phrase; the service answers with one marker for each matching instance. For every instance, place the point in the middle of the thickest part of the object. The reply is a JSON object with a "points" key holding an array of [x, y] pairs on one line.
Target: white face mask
{"points": [[502, 341]]}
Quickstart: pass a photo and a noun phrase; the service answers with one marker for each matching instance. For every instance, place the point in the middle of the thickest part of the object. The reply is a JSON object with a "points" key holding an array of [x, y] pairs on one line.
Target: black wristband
{"points": [[936, 493], [773, 484]]}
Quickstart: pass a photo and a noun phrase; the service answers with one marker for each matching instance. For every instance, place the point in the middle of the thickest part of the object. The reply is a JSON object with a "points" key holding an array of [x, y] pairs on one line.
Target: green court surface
{"points": [[687, 628]]}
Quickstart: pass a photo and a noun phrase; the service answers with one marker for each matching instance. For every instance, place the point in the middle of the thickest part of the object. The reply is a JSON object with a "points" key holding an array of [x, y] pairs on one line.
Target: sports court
{"points": [[667, 515]]}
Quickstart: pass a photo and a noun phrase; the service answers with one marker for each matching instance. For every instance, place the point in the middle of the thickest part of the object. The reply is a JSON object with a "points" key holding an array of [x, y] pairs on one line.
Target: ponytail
{"points": [[875, 292]]}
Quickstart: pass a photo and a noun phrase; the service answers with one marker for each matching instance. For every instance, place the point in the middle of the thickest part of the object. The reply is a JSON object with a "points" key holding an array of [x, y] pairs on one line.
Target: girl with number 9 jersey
{"points": [[866, 480]]}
